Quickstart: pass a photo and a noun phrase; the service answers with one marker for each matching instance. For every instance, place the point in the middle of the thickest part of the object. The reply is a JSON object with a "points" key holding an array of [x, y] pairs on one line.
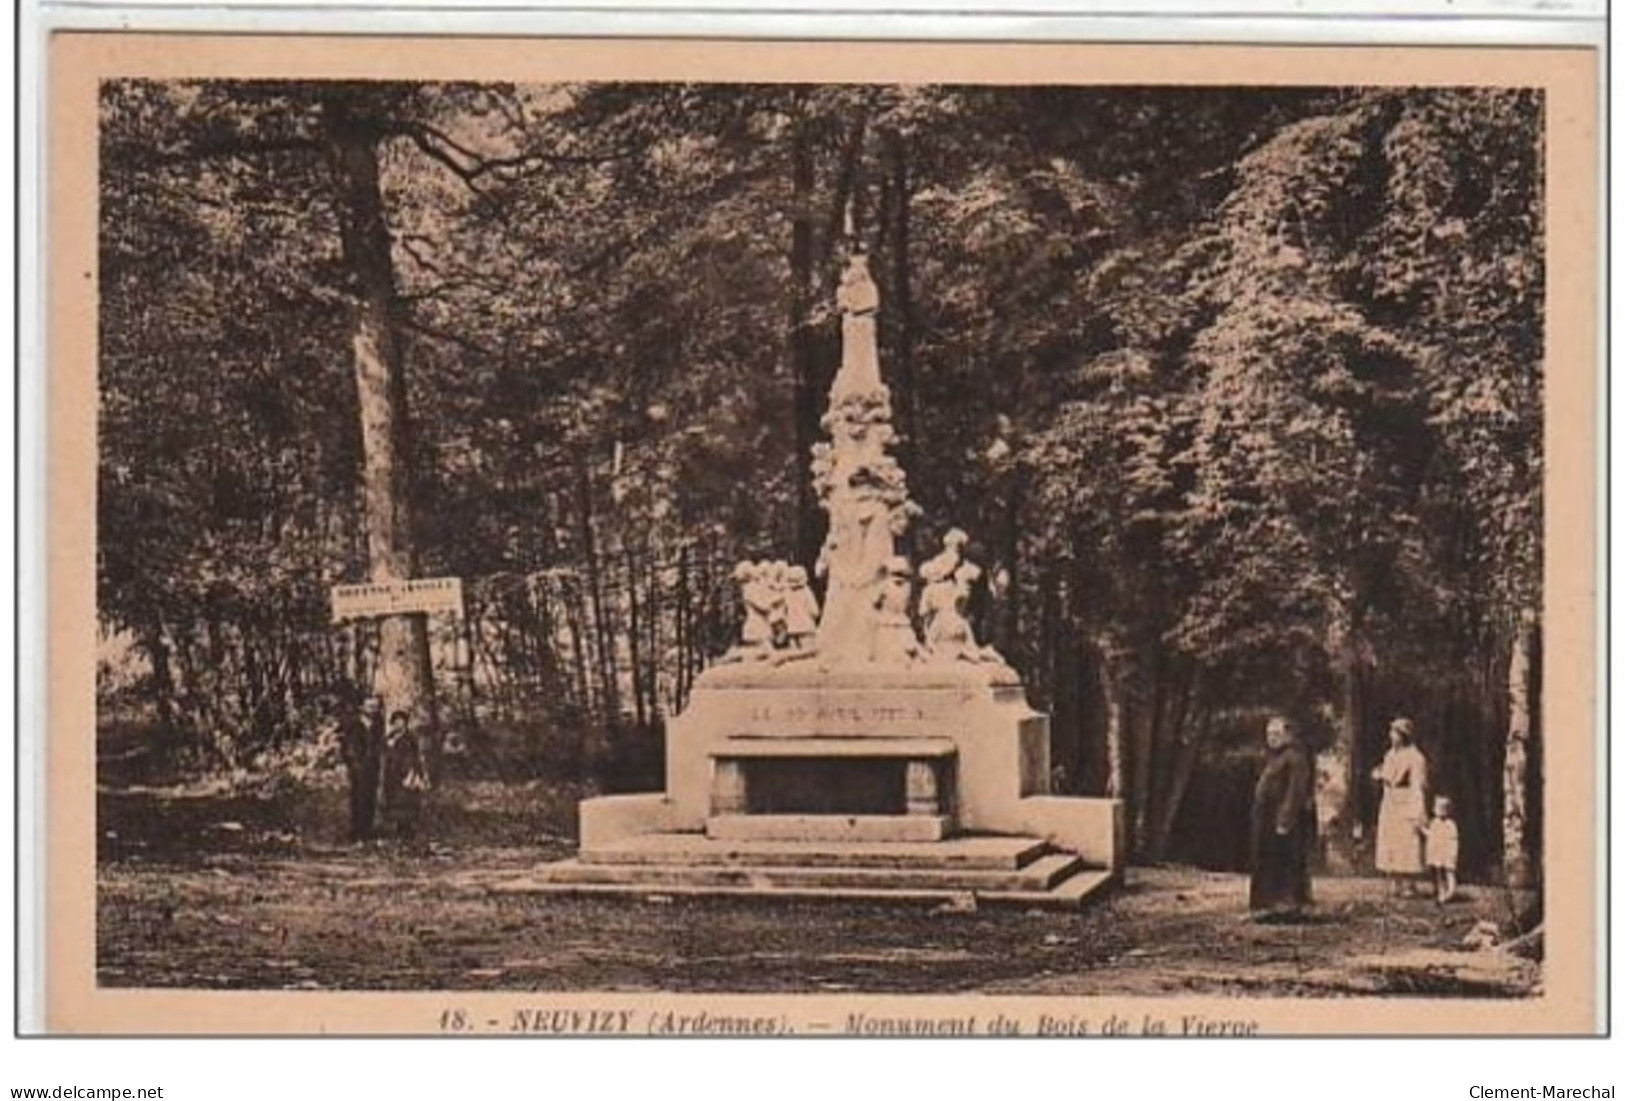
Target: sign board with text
{"points": [[423, 595]]}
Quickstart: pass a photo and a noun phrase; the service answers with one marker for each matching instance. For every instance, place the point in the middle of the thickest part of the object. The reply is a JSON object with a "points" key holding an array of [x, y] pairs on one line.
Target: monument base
{"points": [[1013, 871], [921, 785]]}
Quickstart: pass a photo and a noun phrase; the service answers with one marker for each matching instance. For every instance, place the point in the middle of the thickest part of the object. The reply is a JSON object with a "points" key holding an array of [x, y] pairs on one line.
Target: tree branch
{"points": [[470, 166], [421, 140], [408, 245]]}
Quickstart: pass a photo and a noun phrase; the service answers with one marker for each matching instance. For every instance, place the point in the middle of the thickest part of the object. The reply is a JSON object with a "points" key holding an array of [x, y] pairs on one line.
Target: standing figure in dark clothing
{"points": [[361, 738], [405, 778], [1283, 826]]}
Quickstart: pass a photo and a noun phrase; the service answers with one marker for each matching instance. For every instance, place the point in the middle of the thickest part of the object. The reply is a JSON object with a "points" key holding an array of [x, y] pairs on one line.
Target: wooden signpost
{"points": [[375, 599]]}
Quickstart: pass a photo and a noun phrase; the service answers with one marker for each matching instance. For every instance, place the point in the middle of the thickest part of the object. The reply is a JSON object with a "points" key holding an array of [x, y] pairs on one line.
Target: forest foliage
{"points": [[1238, 392]]}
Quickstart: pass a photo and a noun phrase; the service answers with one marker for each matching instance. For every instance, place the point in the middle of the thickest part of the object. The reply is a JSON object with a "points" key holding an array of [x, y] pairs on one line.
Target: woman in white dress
{"points": [[1402, 817]]}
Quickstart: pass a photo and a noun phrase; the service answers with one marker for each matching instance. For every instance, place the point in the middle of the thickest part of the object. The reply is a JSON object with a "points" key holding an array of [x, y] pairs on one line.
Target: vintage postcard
{"points": [[738, 538]]}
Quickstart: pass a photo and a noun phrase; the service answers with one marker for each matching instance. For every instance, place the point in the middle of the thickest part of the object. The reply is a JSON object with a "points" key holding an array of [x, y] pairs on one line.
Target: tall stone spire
{"points": [[858, 483]]}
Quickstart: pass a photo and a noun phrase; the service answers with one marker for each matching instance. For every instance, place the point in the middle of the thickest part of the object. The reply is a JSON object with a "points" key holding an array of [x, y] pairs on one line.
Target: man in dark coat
{"points": [[1283, 826], [405, 777], [361, 737]]}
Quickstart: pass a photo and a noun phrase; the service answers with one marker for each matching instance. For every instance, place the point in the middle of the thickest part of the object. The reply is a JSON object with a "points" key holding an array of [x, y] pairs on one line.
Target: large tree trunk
{"points": [[1518, 863], [603, 635], [803, 340], [1187, 731], [404, 677], [897, 308], [655, 645], [683, 633], [152, 641], [571, 599], [1005, 629], [1335, 786], [1147, 717], [1111, 692]]}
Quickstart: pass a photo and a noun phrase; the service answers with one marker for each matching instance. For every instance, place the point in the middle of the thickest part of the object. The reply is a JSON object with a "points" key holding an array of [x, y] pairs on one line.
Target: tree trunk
{"points": [[1334, 794], [1005, 630], [1517, 860], [803, 352], [1188, 737], [1111, 693], [602, 630], [898, 308], [846, 200], [404, 676], [682, 631], [163, 683], [465, 670], [578, 652], [634, 639], [655, 646], [1143, 729]]}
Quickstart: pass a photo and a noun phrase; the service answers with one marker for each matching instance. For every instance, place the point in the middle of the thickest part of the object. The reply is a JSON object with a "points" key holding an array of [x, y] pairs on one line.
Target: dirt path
{"points": [[219, 891]]}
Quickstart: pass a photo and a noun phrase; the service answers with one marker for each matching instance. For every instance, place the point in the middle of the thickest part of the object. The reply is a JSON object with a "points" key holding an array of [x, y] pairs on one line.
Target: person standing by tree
{"points": [[1283, 826], [361, 733], [405, 778], [1402, 817]]}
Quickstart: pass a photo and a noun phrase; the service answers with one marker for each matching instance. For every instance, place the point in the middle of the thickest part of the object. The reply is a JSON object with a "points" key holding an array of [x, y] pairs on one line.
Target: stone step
{"points": [[966, 851], [1069, 893], [1040, 875], [836, 829]]}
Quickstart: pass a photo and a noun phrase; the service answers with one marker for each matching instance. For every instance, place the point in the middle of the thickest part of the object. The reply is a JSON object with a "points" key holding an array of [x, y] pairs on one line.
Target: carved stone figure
{"points": [[894, 640], [776, 579], [946, 561], [801, 610], [859, 300], [757, 595], [937, 575], [965, 579], [949, 636]]}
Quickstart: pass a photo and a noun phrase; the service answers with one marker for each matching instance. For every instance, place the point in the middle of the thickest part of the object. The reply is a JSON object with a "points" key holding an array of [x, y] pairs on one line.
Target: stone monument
{"points": [[854, 752]]}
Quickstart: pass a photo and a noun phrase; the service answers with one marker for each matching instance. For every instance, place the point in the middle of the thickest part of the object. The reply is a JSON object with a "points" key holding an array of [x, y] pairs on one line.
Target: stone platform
{"points": [[989, 869], [918, 785]]}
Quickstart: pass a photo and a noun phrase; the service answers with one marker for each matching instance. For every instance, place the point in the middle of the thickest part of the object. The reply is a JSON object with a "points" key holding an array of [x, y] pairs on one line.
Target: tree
{"points": [[1458, 259], [351, 129]]}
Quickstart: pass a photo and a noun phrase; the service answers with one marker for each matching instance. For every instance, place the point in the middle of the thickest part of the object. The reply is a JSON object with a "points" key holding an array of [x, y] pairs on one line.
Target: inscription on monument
{"points": [[767, 713]]}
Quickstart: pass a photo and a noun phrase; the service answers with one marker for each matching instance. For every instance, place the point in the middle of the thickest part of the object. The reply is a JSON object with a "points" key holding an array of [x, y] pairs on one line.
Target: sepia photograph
{"points": [[614, 539]]}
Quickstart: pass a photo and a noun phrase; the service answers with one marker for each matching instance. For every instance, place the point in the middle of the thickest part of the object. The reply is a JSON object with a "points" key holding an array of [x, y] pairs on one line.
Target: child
{"points": [[1442, 845]]}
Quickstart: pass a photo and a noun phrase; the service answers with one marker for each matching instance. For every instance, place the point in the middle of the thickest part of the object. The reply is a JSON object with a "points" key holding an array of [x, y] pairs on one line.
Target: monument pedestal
{"points": [[920, 784]]}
